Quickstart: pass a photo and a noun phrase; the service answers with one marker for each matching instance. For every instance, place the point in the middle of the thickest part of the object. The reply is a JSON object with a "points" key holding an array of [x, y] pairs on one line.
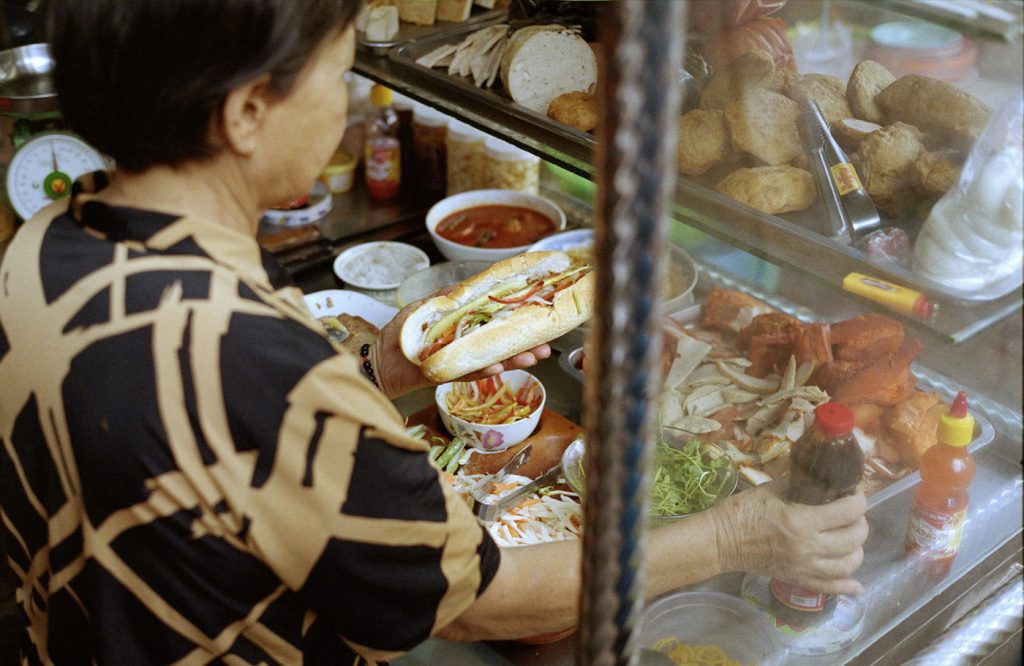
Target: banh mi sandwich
{"points": [[514, 305]]}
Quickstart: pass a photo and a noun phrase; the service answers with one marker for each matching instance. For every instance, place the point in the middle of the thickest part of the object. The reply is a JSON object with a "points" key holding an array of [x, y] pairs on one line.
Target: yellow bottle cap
{"points": [[380, 95], [956, 425]]}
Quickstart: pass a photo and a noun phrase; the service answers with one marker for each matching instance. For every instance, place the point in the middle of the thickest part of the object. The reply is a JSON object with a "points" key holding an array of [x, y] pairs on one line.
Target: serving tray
{"points": [[927, 380], [494, 96], [408, 32]]}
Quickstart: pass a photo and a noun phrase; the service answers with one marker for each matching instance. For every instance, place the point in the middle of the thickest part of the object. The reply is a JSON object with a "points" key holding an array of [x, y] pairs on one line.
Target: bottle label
{"points": [[382, 161], [845, 177], [798, 598], [934, 533]]}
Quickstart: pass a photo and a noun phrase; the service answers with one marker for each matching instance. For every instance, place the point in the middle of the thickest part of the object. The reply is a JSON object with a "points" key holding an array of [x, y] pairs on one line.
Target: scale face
{"points": [[44, 168]]}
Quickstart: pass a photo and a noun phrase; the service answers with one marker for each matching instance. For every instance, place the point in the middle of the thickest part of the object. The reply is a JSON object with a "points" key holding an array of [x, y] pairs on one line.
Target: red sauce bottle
{"points": [[940, 501], [383, 151], [825, 464]]}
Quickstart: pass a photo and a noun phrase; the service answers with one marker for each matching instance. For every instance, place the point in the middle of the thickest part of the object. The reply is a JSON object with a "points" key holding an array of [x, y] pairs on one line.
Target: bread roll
{"points": [[453, 10], [417, 12], [935, 106]]}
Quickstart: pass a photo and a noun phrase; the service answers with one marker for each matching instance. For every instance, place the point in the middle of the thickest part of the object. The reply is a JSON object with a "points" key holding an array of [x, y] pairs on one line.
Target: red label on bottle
{"points": [[934, 533], [383, 167], [798, 598]]}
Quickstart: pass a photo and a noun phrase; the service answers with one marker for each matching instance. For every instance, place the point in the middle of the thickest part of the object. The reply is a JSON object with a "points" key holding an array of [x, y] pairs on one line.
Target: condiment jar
{"points": [[510, 168], [403, 107], [465, 157], [429, 134]]}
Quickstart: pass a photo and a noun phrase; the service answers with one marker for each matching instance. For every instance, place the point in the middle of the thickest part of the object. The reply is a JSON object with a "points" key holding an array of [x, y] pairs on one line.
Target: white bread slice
{"points": [[453, 10], [486, 4], [544, 61], [382, 22], [418, 12], [526, 327]]}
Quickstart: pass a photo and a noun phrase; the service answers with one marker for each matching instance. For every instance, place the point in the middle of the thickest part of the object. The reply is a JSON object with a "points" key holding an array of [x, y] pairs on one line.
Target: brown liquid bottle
{"points": [[824, 465]]}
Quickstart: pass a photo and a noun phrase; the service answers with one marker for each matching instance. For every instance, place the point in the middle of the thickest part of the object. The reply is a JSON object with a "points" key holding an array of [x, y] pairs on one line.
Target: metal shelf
{"points": [[768, 237]]}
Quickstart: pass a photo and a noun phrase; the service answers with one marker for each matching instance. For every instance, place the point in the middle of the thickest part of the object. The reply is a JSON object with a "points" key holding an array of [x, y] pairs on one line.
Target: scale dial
{"points": [[44, 168]]}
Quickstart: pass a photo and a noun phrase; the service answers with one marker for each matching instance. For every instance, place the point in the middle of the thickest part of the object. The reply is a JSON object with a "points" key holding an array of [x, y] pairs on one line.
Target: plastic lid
{"points": [[380, 95], [464, 132], [834, 419], [504, 150], [956, 426], [428, 117]]}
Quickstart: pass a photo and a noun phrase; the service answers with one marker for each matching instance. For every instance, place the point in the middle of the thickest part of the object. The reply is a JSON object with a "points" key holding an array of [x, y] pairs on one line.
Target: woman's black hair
{"points": [[141, 79]]}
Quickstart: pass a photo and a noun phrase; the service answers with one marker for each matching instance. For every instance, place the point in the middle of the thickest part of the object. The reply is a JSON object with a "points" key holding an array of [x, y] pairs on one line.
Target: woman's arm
{"points": [[536, 590]]}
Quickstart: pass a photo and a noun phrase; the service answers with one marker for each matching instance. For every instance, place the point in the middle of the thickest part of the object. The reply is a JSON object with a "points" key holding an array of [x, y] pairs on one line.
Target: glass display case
{"points": [[971, 339]]}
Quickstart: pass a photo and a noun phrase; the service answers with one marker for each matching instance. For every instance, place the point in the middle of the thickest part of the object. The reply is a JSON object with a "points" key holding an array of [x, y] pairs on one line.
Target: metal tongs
{"points": [[851, 213], [488, 509]]}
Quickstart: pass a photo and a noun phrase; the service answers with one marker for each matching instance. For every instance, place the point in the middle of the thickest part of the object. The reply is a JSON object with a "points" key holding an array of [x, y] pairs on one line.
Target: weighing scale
{"points": [[47, 159]]}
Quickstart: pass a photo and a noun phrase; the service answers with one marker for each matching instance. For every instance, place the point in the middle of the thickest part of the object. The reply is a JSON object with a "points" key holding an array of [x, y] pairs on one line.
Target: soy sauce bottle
{"points": [[824, 465]]}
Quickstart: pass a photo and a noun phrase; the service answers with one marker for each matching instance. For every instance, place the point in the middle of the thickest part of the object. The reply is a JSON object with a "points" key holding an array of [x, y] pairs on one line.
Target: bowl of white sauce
{"points": [[379, 265]]}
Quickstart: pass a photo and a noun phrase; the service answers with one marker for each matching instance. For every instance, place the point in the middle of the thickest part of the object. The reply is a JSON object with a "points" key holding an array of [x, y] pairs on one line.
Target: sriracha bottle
{"points": [[940, 501], [825, 464], [383, 152]]}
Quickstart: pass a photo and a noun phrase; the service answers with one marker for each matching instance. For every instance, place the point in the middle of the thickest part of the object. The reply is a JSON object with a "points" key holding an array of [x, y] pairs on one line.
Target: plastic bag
{"points": [[973, 240]]}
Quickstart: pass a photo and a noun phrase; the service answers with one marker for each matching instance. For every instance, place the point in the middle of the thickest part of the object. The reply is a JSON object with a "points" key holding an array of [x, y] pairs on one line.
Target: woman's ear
{"points": [[243, 115]]}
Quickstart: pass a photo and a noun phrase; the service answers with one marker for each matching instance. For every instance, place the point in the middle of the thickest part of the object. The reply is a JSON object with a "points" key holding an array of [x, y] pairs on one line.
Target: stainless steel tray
{"points": [[406, 55], [408, 32], [928, 380]]}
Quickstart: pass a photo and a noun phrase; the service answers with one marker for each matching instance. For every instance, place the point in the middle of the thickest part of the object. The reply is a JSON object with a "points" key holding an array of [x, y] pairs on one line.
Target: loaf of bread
{"points": [[544, 61], [453, 10], [417, 12]]}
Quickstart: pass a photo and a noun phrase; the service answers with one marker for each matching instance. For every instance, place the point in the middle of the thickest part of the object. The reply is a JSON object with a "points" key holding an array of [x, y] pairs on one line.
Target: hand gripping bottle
{"points": [[940, 501]]}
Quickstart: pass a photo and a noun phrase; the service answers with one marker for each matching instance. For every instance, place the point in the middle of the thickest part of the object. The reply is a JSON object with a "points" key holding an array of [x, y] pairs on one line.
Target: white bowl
{"points": [[472, 199], [379, 265], [492, 438]]}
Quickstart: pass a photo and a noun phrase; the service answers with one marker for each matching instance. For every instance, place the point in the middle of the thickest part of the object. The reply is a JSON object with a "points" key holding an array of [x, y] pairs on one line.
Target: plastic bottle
{"points": [[940, 501], [825, 464], [383, 150]]}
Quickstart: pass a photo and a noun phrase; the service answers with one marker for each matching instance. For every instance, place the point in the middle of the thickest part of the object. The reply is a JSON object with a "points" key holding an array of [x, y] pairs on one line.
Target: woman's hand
{"points": [[396, 375], [818, 547]]}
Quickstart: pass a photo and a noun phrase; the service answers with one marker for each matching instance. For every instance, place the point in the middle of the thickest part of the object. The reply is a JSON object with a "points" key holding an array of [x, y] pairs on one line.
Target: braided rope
{"points": [[635, 166]]}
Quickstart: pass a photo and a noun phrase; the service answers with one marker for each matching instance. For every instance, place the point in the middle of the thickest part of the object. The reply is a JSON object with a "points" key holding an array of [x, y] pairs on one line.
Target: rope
{"points": [[635, 166]]}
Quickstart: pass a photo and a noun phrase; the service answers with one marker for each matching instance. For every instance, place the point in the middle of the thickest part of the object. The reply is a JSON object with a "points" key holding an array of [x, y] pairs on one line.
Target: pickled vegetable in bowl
{"points": [[687, 476]]}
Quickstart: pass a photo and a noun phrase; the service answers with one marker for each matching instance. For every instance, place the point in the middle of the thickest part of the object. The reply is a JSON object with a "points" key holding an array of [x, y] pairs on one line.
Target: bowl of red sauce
{"points": [[490, 225]]}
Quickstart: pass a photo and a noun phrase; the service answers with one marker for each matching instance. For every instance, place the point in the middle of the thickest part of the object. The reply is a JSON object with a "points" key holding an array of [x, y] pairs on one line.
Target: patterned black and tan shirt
{"points": [[190, 471]]}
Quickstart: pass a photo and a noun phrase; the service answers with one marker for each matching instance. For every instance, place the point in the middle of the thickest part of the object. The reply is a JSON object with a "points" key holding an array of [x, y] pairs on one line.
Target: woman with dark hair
{"points": [[190, 471]]}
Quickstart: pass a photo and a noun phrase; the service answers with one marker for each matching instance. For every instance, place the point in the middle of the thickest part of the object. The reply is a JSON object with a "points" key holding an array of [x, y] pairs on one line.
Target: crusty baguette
{"points": [[527, 326]]}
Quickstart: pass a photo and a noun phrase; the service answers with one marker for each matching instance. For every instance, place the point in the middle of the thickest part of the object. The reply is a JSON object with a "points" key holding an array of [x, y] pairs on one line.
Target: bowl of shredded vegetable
{"points": [[495, 413], [710, 628], [687, 475]]}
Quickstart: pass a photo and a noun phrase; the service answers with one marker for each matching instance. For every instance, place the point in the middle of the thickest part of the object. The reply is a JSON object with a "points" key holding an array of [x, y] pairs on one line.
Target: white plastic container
{"points": [[465, 159], [510, 168]]}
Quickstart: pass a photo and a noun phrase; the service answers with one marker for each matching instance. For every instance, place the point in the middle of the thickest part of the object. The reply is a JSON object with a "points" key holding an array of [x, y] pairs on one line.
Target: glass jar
{"points": [[510, 168], [429, 134], [465, 158]]}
